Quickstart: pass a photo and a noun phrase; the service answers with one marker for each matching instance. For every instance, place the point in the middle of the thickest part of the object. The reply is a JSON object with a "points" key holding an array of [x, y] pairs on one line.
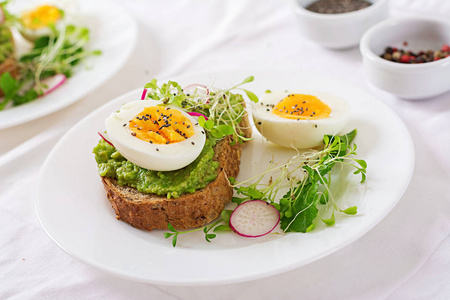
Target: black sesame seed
{"points": [[315, 125], [124, 125], [192, 143], [150, 142], [157, 149], [133, 133]]}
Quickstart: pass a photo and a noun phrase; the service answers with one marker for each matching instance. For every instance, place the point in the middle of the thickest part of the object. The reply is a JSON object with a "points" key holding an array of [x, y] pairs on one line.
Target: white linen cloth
{"points": [[406, 256]]}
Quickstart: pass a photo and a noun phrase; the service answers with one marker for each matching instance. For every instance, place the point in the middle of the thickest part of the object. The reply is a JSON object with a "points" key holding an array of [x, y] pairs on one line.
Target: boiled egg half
{"points": [[35, 22], [155, 137], [300, 120]]}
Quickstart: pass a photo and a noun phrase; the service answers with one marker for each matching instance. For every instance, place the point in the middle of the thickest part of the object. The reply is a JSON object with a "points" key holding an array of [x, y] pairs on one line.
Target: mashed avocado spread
{"points": [[171, 183], [6, 45]]}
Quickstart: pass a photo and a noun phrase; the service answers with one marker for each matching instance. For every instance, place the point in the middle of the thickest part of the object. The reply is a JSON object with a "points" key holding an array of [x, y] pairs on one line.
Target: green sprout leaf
{"points": [[331, 221], [222, 228], [226, 214], [351, 210], [170, 227], [248, 79], [251, 96]]}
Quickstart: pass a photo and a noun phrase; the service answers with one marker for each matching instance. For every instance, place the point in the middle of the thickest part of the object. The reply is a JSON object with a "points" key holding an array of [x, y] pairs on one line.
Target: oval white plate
{"points": [[73, 208], [112, 30]]}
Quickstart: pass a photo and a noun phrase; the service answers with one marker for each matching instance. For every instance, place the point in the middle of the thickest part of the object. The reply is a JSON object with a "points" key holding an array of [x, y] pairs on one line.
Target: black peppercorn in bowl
{"points": [[408, 57], [338, 24]]}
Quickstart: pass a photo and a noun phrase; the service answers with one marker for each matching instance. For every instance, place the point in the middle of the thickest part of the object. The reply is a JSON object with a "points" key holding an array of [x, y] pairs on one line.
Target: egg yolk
{"points": [[41, 17], [161, 125], [301, 107]]}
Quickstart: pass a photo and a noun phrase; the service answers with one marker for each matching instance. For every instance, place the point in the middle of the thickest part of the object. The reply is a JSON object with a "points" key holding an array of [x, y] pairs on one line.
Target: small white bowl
{"points": [[339, 31], [409, 81]]}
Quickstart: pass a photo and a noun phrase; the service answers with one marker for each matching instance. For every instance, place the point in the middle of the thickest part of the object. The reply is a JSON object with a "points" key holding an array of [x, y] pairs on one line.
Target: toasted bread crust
{"points": [[150, 211]]}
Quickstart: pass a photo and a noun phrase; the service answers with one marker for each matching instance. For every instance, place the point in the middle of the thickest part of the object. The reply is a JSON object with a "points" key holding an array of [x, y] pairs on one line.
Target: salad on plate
{"points": [[51, 46]]}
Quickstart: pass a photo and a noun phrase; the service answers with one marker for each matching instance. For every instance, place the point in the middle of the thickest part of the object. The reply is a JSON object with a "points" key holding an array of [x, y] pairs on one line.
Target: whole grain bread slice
{"points": [[150, 211]]}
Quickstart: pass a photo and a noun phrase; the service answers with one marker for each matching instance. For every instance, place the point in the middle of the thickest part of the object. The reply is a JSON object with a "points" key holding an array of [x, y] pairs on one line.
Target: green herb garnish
{"points": [[216, 227], [299, 207], [57, 53], [223, 108]]}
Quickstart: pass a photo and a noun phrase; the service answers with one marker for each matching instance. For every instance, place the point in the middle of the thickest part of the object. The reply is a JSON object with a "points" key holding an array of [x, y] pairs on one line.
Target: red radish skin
{"points": [[105, 137], [52, 83], [196, 114], [144, 93], [254, 218]]}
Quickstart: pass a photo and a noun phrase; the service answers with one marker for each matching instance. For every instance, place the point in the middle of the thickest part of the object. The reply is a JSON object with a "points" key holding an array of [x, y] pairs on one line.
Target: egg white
{"points": [[158, 157], [300, 134]]}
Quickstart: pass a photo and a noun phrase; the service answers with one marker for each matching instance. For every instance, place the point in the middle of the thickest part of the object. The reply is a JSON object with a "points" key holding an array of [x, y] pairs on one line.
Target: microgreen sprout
{"points": [[57, 53], [220, 225], [307, 178], [223, 108]]}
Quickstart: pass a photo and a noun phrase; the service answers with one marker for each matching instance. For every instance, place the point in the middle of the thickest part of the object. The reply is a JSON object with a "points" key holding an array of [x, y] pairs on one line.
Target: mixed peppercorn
{"points": [[410, 57]]}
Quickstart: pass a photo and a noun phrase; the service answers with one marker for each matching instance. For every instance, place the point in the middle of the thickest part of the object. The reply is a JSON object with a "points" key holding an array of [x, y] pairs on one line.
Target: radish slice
{"points": [[144, 93], [52, 83], [196, 90], [254, 218], [196, 114], [105, 137]]}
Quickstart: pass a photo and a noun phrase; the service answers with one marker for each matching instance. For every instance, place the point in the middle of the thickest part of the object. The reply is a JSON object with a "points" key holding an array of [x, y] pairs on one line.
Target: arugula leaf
{"points": [[304, 208], [10, 87], [28, 96]]}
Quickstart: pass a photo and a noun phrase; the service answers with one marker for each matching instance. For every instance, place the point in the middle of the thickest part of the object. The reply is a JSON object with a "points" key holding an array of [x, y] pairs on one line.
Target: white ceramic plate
{"points": [[73, 208], [113, 31]]}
